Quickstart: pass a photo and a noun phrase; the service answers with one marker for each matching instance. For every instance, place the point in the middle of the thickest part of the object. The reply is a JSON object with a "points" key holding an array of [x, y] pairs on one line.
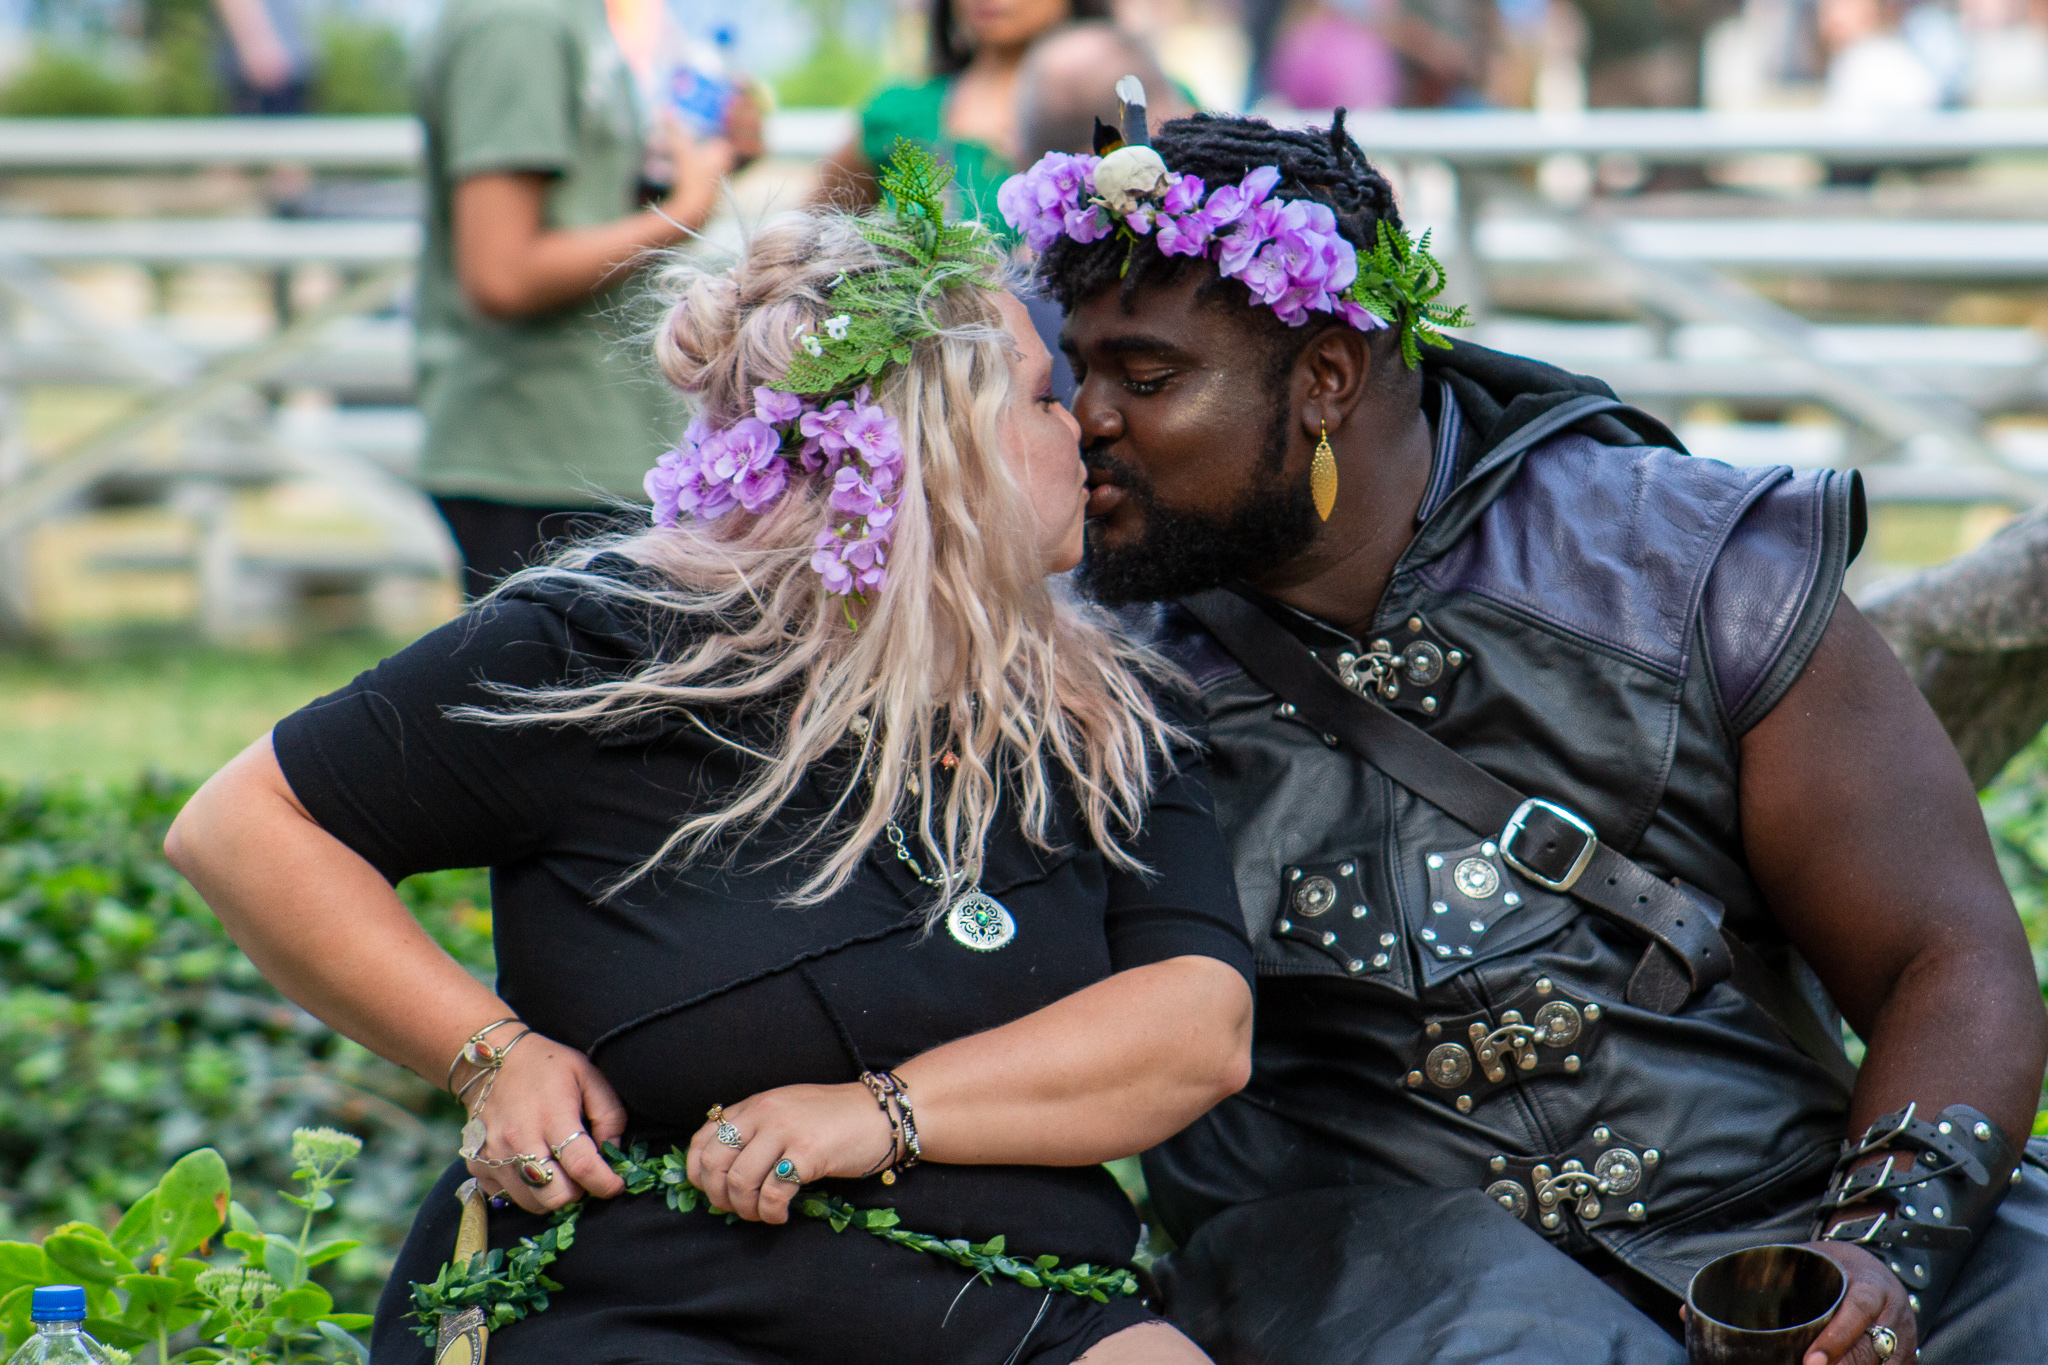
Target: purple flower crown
{"points": [[1288, 252], [748, 464]]}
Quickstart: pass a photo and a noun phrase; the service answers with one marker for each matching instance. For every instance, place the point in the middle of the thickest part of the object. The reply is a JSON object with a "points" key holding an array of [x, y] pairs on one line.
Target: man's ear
{"points": [[1337, 367]]}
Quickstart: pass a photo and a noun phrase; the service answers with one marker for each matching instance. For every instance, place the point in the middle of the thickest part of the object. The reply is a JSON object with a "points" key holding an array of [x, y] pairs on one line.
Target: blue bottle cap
{"points": [[57, 1303]]}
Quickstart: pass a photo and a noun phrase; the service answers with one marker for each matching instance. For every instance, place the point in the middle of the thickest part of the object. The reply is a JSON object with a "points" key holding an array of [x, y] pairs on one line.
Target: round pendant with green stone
{"points": [[980, 922]]}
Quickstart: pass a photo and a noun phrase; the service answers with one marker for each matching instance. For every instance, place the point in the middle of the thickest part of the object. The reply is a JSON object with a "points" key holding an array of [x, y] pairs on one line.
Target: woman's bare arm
{"points": [[1106, 1072], [512, 265], [326, 929]]}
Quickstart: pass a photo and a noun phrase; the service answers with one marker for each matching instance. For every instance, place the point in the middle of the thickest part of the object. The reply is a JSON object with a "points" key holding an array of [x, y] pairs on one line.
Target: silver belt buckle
{"points": [[1513, 829]]}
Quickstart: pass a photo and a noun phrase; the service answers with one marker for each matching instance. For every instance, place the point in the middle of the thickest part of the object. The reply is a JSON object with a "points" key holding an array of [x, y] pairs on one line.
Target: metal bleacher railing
{"points": [[1916, 389]]}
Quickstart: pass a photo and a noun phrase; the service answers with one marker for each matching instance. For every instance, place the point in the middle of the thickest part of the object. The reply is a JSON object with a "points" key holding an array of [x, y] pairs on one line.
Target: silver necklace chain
{"points": [[896, 842]]}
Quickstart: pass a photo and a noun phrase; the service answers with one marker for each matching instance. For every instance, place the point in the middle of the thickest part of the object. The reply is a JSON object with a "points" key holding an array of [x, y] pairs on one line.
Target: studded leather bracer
{"points": [[1922, 1207]]}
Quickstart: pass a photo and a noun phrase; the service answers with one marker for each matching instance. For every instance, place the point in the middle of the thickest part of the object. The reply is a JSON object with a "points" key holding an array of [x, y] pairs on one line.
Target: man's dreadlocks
{"points": [[1324, 166]]}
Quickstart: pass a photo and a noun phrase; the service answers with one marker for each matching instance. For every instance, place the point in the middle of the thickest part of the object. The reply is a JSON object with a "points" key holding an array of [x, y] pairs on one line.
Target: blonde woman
{"points": [[816, 807]]}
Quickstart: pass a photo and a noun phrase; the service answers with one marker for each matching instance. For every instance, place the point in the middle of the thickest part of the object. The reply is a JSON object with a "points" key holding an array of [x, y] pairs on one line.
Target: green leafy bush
{"points": [[362, 70], [145, 1286], [132, 1029], [57, 82], [835, 74]]}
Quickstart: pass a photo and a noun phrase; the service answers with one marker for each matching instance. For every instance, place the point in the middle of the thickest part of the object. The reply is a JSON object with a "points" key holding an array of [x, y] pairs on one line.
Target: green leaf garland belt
{"points": [[510, 1286]]}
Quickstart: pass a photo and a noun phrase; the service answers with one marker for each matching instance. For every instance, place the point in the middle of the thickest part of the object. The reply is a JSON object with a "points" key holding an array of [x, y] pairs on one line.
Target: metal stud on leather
{"points": [[1605, 1178], [1470, 891], [1544, 1031], [1323, 906], [1410, 668]]}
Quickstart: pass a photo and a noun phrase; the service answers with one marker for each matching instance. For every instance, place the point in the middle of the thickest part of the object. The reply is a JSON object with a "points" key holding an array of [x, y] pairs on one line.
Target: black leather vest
{"points": [[1596, 624]]}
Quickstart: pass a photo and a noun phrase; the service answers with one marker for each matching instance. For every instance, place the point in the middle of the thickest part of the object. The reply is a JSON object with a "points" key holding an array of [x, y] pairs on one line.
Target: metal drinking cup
{"points": [[1761, 1306]]}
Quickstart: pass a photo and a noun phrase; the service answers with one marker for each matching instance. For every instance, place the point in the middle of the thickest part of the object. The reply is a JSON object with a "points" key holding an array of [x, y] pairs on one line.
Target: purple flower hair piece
{"points": [[1050, 201], [751, 463], [1287, 252]]}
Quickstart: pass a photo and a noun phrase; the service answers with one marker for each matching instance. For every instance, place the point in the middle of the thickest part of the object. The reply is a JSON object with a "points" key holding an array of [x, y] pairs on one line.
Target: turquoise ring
{"points": [[785, 1169]]}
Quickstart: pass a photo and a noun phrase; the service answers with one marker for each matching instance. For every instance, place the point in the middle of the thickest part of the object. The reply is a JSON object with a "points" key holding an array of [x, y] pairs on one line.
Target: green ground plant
{"points": [[152, 1277], [132, 1029]]}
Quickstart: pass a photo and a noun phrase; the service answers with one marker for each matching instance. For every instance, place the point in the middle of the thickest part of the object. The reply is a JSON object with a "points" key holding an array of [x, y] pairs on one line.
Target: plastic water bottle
{"points": [[699, 84], [58, 1312]]}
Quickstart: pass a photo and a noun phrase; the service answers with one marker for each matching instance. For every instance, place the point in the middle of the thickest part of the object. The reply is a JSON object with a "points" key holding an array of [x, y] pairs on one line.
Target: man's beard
{"points": [[1270, 521]]}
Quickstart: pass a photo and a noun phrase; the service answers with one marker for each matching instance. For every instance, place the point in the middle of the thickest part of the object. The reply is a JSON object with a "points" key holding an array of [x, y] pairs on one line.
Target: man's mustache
{"points": [[1100, 462]]}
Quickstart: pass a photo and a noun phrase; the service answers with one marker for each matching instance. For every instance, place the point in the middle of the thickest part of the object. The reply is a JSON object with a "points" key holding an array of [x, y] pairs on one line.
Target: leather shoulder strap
{"points": [[1540, 839]]}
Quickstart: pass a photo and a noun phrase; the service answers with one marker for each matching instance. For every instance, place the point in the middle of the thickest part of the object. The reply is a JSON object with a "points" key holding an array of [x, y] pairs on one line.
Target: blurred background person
{"points": [[965, 110], [267, 60], [1646, 54], [2008, 52], [534, 156], [1068, 78], [1335, 54], [1872, 64], [1370, 54], [1066, 81]]}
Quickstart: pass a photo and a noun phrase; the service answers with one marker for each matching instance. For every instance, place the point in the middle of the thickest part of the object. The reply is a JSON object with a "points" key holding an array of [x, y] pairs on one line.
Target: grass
{"points": [[177, 711]]}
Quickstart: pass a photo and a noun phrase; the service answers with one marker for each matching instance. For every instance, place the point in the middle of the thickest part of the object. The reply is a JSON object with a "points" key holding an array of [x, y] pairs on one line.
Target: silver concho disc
{"points": [[1476, 877], [980, 922], [1511, 1196], [1619, 1170], [1314, 896], [1557, 1024], [1448, 1065]]}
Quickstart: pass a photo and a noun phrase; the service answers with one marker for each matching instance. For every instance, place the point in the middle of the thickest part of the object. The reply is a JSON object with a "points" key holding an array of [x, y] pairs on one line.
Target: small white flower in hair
{"points": [[811, 344], [836, 327], [1128, 175]]}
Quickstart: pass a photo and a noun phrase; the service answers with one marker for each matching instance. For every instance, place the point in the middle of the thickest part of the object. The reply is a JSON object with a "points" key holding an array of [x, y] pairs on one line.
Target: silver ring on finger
{"points": [[556, 1147], [1884, 1341], [785, 1170], [535, 1172], [729, 1135]]}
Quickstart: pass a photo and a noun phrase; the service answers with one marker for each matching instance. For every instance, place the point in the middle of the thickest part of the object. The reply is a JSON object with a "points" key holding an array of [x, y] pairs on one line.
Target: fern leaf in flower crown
{"points": [[875, 317], [1399, 280]]}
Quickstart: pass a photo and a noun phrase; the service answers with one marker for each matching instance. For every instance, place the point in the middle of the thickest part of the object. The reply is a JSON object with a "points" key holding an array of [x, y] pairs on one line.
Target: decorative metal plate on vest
{"points": [[1604, 1179], [1323, 906], [1410, 669], [1543, 1031], [1470, 891]]}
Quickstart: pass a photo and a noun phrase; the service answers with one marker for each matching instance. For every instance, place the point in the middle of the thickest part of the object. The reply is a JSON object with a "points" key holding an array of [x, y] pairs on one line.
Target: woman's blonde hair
{"points": [[969, 650]]}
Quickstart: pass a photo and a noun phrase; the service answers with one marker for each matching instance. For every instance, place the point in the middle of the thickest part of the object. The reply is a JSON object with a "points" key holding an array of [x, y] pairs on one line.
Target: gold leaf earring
{"points": [[1322, 476]]}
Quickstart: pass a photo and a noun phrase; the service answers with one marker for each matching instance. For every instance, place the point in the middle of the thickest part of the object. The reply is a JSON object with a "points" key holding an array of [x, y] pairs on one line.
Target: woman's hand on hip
{"points": [[545, 1097], [819, 1131]]}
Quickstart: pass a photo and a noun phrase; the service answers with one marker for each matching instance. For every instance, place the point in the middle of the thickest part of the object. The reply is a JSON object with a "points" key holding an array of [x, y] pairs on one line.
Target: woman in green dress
{"points": [[966, 111]]}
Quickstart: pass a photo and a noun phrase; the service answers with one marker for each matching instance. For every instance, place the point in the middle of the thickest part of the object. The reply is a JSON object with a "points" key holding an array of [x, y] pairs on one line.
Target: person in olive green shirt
{"points": [[536, 405], [966, 113]]}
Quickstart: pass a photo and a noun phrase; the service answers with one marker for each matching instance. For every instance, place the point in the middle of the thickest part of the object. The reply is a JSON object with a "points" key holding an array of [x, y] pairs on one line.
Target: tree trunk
{"points": [[1974, 634]]}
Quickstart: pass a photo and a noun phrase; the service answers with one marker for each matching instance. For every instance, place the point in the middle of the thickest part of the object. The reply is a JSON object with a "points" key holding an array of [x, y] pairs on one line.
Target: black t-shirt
{"points": [[695, 985]]}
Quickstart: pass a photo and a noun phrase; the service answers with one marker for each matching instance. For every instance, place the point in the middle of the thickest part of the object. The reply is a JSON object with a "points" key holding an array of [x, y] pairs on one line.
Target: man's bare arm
{"points": [[1864, 833]]}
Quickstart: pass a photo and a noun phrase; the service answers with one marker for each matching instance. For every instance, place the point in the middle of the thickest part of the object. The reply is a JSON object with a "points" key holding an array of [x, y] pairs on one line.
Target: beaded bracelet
{"points": [[887, 1165], [893, 1096], [912, 1151]]}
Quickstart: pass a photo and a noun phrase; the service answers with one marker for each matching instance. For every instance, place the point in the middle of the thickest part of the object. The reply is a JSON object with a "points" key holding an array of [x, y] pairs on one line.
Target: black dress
{"points": [[697, 987]]}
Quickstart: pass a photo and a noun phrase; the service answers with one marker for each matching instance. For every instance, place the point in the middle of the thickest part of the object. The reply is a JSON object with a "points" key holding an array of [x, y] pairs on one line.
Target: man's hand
{"points": [[1875, 1298]]}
